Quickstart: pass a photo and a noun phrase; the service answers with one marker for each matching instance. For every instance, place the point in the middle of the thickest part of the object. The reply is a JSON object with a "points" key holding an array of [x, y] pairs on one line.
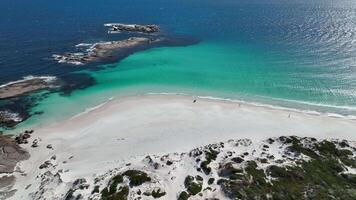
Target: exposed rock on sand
{"points": [[10, 154], [22, 138], [6, 183], [26, 85], [117, 27], [104, 50]]}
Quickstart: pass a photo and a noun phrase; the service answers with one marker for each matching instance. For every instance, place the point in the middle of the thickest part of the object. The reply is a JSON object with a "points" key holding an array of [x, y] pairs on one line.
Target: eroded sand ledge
{"points": [[99, 140]]}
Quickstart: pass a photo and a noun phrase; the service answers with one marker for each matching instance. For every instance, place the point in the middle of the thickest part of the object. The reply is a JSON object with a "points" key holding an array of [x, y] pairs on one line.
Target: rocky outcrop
{"points": [[9, 119], [104, 50], [22, 138], [24, 86], [6, 184], [16, 101], [10, 154], [48, 187], [117, 27]]}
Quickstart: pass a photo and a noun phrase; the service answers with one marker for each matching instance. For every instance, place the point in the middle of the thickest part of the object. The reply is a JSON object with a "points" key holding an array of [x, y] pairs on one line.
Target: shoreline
{"points": [[266, 105], [124, 128], [253, 104]]}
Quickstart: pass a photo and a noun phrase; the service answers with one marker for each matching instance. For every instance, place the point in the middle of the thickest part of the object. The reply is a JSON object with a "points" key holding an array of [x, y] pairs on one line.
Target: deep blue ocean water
{"points": [[315, 32]]}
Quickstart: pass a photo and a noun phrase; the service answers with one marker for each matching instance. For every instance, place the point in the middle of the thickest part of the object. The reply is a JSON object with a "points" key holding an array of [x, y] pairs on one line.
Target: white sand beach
{"points": [[102, 138]]}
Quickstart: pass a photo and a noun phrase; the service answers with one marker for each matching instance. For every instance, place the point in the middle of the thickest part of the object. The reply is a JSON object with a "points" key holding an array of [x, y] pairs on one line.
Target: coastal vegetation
{"points": [[279, 168]]}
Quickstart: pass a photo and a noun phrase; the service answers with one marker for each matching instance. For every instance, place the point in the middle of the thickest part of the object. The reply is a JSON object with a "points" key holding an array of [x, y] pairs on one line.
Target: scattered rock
{"points": [[34, 143], [237, 159], [169, 162], [28, 186], [29, 131], [46, 164], [48, 186], [22, 138], [80, 184]]}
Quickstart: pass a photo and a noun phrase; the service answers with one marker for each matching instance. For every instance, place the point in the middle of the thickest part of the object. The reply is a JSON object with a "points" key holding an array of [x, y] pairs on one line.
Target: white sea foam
{"points": [[75, 62], [119, 24], [47, 79], [83, 45], [351, 108], [90, 109], [63, 59], [8, 115], [310, 112], [113, 32]]}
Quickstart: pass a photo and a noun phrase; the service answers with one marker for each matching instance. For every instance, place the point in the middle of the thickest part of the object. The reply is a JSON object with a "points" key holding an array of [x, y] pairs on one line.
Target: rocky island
{"points": [[114, 50], [106, 50], [117, 28]]}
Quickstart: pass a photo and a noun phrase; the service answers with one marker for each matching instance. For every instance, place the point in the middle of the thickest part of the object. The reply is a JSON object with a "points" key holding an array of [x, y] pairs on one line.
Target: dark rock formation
{"points": [[113, 28], [34, 143], [9, 119], [6, 184], [10, 154], [104, 50], [46, 164], [21, 87], [22, 138]]}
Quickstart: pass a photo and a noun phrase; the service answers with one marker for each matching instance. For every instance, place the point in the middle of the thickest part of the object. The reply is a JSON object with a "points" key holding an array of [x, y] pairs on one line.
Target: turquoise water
{"points": [[225, 70]]}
